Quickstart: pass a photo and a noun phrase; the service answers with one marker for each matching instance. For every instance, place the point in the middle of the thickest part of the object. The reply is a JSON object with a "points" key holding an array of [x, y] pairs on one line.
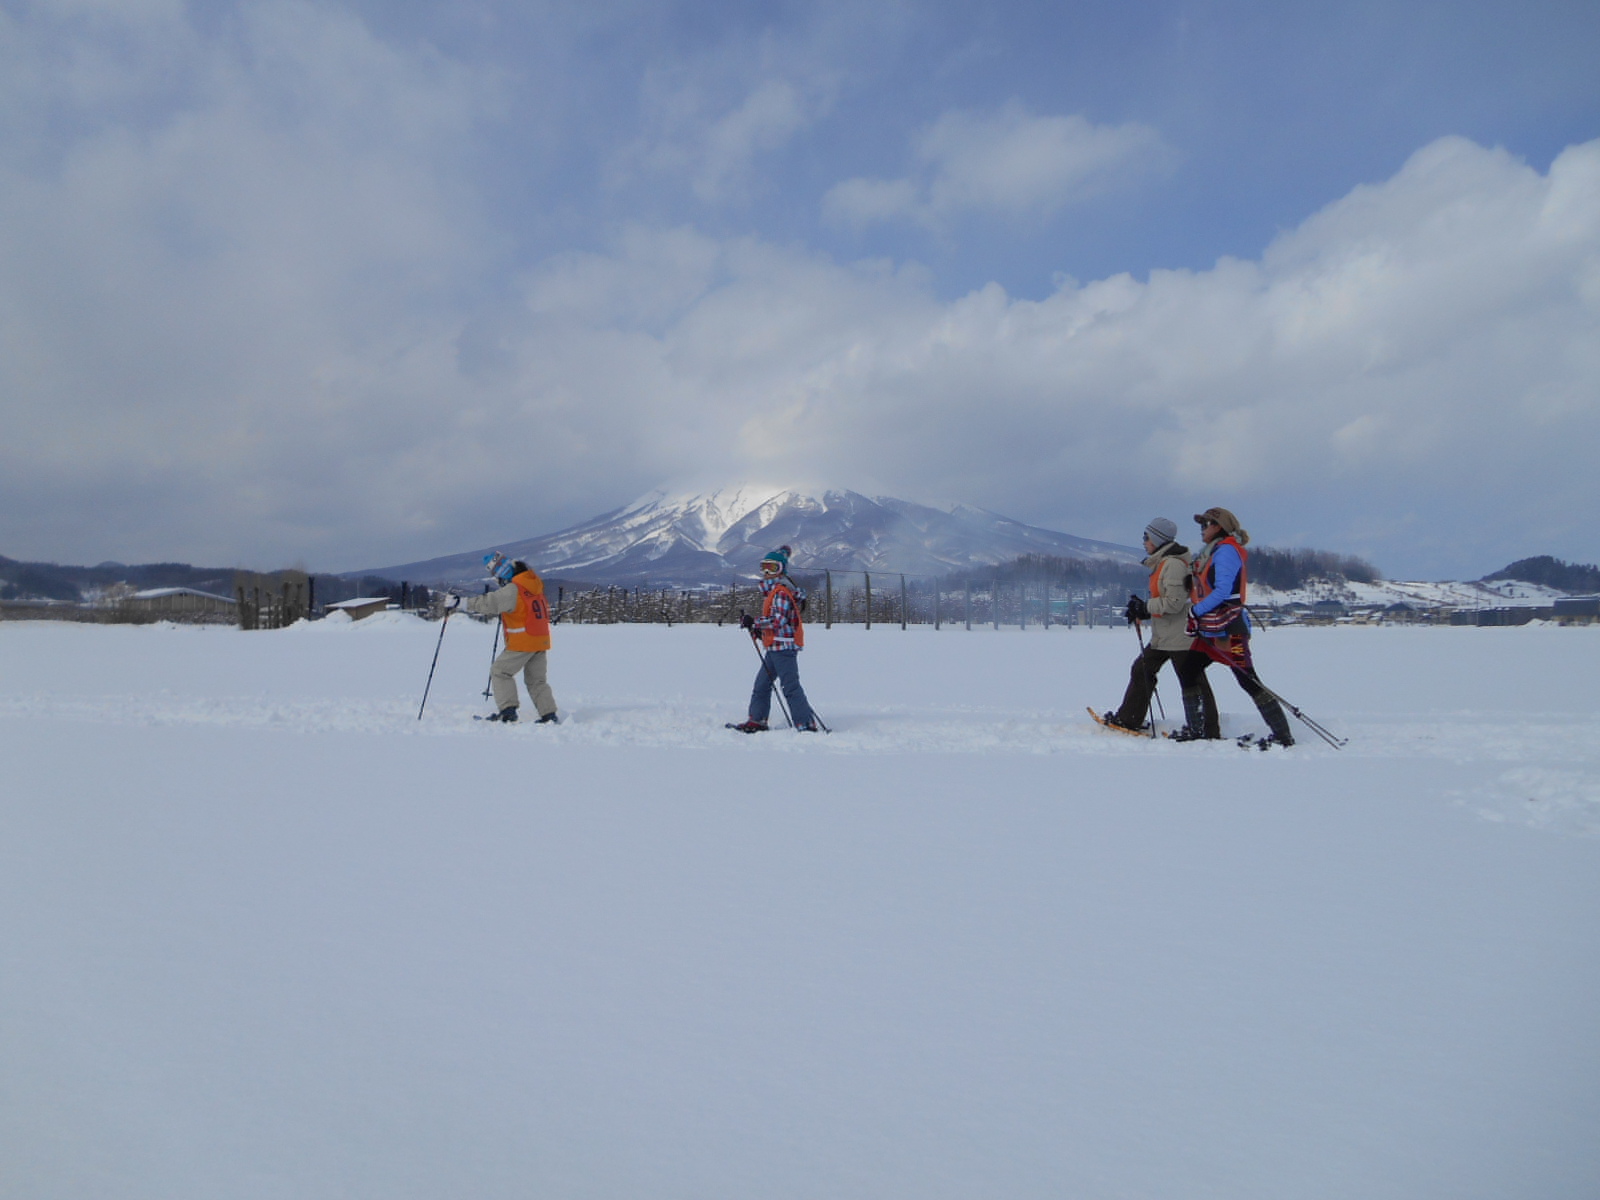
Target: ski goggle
{"points": [[499, 567]]}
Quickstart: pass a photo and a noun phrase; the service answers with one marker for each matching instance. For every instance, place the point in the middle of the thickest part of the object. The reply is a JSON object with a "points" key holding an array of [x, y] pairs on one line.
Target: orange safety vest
{"points": [[527, 626], [1155, 577], [1202, 585], [770, 635]]}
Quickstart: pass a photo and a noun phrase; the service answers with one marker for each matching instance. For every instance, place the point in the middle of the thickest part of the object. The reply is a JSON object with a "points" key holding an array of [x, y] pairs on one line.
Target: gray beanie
{"points": [[1161, 531]]}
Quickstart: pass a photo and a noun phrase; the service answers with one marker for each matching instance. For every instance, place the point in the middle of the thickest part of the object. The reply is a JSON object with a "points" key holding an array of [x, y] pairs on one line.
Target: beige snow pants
{"points": [[503, 677]]}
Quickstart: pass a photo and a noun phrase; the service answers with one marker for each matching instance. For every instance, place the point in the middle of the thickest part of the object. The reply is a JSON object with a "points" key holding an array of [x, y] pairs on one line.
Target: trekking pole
{"points": [[493, 654], [1338, 743], [1138, 632], [1316, 727], [772, 678], [442, 626]]}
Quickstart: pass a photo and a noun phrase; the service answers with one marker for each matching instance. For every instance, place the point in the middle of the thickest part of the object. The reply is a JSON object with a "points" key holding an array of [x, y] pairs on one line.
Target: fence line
{"points": [[852, 598]]}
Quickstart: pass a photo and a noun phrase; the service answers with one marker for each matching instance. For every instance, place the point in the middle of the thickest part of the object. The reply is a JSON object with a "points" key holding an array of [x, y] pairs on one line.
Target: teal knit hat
{"points": [[779, 556]]}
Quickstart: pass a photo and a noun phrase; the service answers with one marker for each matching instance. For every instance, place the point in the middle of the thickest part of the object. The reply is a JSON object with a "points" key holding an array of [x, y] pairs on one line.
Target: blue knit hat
{"points": [[779, 556]]}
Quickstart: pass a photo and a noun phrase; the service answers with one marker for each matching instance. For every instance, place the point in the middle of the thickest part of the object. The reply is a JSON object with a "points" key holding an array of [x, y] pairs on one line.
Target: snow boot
{"points": [[1111, 718], [1272, 712], [549, 718], [1196, 720], [751, 726], [507, 716]]}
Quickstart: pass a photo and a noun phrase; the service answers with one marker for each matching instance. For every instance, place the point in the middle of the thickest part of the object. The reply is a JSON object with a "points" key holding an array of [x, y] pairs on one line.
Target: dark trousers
{"points": [[1135, 707], [1236, 651], [784, 665]]}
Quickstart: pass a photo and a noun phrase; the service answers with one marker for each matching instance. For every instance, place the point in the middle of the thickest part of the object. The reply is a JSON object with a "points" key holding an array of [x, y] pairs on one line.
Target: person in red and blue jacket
{"points": [[1221, 629], [782, 632]]}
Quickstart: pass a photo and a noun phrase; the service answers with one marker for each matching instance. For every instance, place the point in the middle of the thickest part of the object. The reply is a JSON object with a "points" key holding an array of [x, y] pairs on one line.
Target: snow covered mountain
{"points": [[691, 539]]}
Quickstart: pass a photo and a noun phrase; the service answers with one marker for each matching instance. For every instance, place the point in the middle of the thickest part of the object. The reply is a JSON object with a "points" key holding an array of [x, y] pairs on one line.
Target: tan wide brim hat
{"points": [[1221, 516]]}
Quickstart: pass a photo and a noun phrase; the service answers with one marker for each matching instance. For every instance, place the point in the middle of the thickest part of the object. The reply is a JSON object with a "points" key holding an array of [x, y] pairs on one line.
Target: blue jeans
{"points": [[783, 664]]}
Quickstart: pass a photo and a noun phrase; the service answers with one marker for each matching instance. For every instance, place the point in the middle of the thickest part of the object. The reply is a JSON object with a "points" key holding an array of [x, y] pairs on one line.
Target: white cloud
{"points": [[248, 311], [1413, 373], [714, 137], [768, 117], [211, 293], [1010, 163]]}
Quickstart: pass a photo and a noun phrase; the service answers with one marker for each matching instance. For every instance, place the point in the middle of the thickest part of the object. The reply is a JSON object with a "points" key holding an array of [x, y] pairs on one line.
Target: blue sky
{"points": [[344, 283]]}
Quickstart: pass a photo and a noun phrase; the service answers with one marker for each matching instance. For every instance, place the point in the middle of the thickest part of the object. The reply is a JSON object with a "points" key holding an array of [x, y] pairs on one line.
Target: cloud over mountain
{"points": [[256, 305], [1361, 379]]}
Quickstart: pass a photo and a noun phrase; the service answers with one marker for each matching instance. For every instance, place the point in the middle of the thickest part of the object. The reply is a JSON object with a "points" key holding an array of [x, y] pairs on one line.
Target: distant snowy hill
{"points": [[1500, 593], [702, 538]]}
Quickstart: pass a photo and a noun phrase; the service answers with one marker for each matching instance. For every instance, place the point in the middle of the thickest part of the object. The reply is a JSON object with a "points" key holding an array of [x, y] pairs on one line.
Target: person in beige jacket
{"points": [[1167, 610], [525, 619]]}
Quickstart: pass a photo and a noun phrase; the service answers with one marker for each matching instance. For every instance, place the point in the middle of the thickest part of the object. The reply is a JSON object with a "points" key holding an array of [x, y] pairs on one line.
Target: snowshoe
{"points": [[748, 726], [1109, 721], [1186, 734], [1251, 741], [549, 718], [506, 716]]}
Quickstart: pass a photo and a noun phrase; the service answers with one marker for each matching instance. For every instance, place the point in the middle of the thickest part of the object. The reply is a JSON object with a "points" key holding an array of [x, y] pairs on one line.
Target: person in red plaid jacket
{"points": [[782, 631]]}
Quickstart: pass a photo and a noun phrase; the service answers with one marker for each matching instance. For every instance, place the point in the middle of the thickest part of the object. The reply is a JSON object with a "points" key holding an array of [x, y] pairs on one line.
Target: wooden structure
{"points": [[272, 601]]}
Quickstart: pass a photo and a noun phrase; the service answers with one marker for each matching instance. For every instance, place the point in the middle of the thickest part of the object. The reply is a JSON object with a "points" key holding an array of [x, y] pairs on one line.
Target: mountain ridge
{"points": [[668, 538]]}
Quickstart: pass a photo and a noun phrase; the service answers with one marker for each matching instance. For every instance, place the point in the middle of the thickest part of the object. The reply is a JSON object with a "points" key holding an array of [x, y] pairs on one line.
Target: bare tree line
{"points": [[852, 597]]}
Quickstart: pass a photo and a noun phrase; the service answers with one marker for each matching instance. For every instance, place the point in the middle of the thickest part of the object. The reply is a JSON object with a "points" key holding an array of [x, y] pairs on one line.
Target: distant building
{"points": [[1510, 615], [179, 602], [361, 606], [1581, 608]]}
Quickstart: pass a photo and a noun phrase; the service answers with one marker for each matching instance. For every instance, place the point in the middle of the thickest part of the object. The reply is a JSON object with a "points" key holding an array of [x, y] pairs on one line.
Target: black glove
{"points": [[1137, 610], [747, 622]]}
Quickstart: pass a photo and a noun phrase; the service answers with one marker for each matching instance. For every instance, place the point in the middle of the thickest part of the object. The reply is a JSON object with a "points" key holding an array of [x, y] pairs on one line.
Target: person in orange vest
{"points": [[783, 633], [1167, 610], [525, 620], [1221, 627]]}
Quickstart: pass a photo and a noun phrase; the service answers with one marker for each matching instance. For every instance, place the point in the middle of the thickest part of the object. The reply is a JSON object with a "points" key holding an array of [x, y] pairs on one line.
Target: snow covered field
{"points": [[264, 934]]}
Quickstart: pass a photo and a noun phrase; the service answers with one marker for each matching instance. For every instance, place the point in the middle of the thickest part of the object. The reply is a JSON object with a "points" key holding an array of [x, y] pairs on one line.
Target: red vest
{"points": [[527, 626], [1202, 583], [769, 635]]}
